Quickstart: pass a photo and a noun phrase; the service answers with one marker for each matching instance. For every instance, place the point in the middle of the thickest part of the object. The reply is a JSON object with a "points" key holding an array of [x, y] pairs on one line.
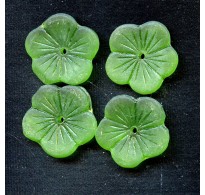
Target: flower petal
{"points": [[84, 44], [68, 69], [67, 101], [82, 127], [75, 70], [74, 101], [65, 139], [39, 43], [61, 27], [149, 113], [163, 61], [132, 150], [119, 67], [121, 109], [154, 36], [127, 153], [46, 99], [154, 141], [41, 127], [58, 143], [109, 133], [124, 39], [145, 79], [48, 68], [36, 124]]}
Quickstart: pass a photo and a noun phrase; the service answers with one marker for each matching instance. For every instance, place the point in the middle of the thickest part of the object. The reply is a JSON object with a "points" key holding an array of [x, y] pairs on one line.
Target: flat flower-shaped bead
{"points": [[133, 130], [141, 56], [60, 119], [62, 50]]}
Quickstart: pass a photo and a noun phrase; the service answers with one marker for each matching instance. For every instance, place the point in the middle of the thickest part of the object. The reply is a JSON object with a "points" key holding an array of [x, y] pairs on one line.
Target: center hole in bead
{"points": [[64, 51], [142, 56], [60, 119], [134, 130]]}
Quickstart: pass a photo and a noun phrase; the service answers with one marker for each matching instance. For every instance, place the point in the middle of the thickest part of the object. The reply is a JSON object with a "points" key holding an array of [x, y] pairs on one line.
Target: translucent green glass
{"points": [[62, 50], [133, 130], [60, 119], [142, 56]]}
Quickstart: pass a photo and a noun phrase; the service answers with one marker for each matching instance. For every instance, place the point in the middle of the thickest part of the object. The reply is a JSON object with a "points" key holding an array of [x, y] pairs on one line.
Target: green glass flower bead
{"points": [[62, 50], [60, 119], [142, 56], [133, 130]]}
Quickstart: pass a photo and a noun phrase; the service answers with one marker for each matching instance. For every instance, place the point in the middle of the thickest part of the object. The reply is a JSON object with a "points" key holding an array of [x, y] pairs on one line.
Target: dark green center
{"points": [[60, 119], [63, 51]]}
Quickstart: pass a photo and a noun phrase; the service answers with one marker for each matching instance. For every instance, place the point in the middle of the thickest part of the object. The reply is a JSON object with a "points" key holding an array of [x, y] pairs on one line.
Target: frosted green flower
{"points": [[133, 130], [60, 119], [62, 50], [142, 56]]}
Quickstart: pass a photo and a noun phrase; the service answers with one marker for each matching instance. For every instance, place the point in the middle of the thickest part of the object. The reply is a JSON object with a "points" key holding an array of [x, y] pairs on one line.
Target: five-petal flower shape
{"points": [[133, 130], [141, 56], [60, 119], [62, 50]]}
